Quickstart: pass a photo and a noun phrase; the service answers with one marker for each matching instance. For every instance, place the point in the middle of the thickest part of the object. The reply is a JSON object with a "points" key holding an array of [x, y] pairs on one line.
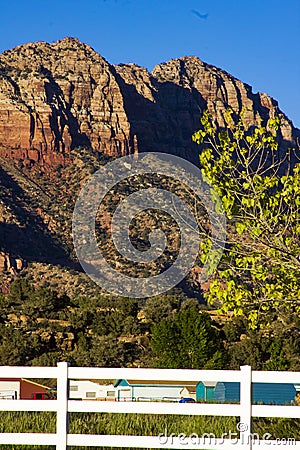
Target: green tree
{"points": [[188, 340], [43, 302], [265, 351], [235, 328], [161, 307], [278, 359], [20, 292], [17, 347], [115, 315], [260, 193], [110, 352], [252, 350]]}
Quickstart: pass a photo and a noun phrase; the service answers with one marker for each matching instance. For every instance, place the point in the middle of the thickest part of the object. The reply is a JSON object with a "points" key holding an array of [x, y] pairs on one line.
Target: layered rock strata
{"points": [[54, 97]]}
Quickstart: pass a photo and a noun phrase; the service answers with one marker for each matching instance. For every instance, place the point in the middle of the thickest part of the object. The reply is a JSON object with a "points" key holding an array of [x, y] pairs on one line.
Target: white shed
{"points": [[87, 390], [10, 390], [150, 390]]}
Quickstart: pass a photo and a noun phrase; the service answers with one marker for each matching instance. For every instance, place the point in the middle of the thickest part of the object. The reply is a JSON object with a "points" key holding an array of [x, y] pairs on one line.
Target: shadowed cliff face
{"points": [[55, 97], [23, 232], [65, 111]]}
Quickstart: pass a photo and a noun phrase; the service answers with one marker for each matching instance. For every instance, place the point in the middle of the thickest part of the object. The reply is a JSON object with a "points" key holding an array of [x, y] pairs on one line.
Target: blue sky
{"points": [[257, 41]]}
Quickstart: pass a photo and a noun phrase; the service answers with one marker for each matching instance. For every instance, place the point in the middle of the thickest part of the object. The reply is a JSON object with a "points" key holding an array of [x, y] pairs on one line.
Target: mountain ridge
{"points": [[55, 97], [65, 110]]}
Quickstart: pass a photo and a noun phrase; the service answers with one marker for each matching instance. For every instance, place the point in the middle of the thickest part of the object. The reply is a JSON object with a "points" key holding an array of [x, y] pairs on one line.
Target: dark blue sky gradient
{"points": [[257, 41]]}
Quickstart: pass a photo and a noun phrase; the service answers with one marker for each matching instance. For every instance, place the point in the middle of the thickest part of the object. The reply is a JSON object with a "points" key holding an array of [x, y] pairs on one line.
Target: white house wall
{"points": [[85, 387], [10, 386], [124, 393], [156, 392]]}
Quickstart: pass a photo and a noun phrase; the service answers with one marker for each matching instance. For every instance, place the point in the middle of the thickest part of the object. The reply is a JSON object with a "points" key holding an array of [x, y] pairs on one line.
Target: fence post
{"points": [[62, 422], [244, 426]]}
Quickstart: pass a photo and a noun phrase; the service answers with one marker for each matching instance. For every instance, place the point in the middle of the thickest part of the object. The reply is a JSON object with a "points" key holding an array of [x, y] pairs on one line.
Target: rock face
{"points": [[9, 264], [57, 97], [54, 97]]}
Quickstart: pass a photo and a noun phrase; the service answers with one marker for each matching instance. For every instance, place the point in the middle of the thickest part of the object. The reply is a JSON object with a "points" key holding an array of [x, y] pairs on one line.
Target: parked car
{"points": [[43, 395], [187, 400]]}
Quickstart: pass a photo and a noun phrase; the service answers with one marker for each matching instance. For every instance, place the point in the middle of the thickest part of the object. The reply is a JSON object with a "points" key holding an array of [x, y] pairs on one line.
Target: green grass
{"points": [[137, 424]]}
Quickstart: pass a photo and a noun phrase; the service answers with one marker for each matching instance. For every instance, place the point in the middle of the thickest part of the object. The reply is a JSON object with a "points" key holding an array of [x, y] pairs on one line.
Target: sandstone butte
{"points": [[54, 97]]}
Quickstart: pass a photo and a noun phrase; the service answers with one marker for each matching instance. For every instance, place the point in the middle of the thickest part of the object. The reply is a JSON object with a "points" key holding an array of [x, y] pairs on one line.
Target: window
{"points": [[110, 393], [90, 394], [74, 388]]}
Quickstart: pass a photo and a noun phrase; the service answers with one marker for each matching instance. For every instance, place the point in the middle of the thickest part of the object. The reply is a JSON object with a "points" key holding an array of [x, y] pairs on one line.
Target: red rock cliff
{"points": [[54, 97]]}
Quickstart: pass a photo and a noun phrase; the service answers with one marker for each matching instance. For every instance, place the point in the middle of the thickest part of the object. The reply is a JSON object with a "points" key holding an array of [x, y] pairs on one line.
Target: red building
{"points": [[21, 388]]}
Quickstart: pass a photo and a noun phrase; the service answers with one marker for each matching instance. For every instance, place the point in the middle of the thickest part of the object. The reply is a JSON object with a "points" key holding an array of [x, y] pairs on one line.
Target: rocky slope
{"points": [[64, 110], [55, 97]]}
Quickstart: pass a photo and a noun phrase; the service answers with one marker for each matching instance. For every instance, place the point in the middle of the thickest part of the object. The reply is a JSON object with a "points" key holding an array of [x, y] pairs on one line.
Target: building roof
{"points": [[36, 384], [209, 383], [158, 383], [26, 381], [78, 382], [191, 390]]}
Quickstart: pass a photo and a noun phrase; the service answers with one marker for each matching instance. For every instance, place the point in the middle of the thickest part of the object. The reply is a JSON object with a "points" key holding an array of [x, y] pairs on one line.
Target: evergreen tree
{"points": [[188, 341]]}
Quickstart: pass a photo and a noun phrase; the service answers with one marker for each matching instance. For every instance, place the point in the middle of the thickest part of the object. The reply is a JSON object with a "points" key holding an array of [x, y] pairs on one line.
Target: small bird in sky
{"points": [[199, 15]]}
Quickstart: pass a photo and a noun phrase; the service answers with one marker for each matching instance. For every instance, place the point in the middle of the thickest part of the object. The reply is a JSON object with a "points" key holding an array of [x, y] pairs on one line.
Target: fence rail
{"points": [[63, 407]]}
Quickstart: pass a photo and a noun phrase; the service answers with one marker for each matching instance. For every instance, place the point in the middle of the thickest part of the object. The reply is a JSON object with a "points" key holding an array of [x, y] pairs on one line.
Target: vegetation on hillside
{"points": [[39, 326], [53, 312]]}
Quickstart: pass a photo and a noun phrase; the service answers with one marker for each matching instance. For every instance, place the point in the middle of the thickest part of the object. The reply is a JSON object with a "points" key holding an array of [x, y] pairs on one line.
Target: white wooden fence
{"points": [[63, 406]]}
